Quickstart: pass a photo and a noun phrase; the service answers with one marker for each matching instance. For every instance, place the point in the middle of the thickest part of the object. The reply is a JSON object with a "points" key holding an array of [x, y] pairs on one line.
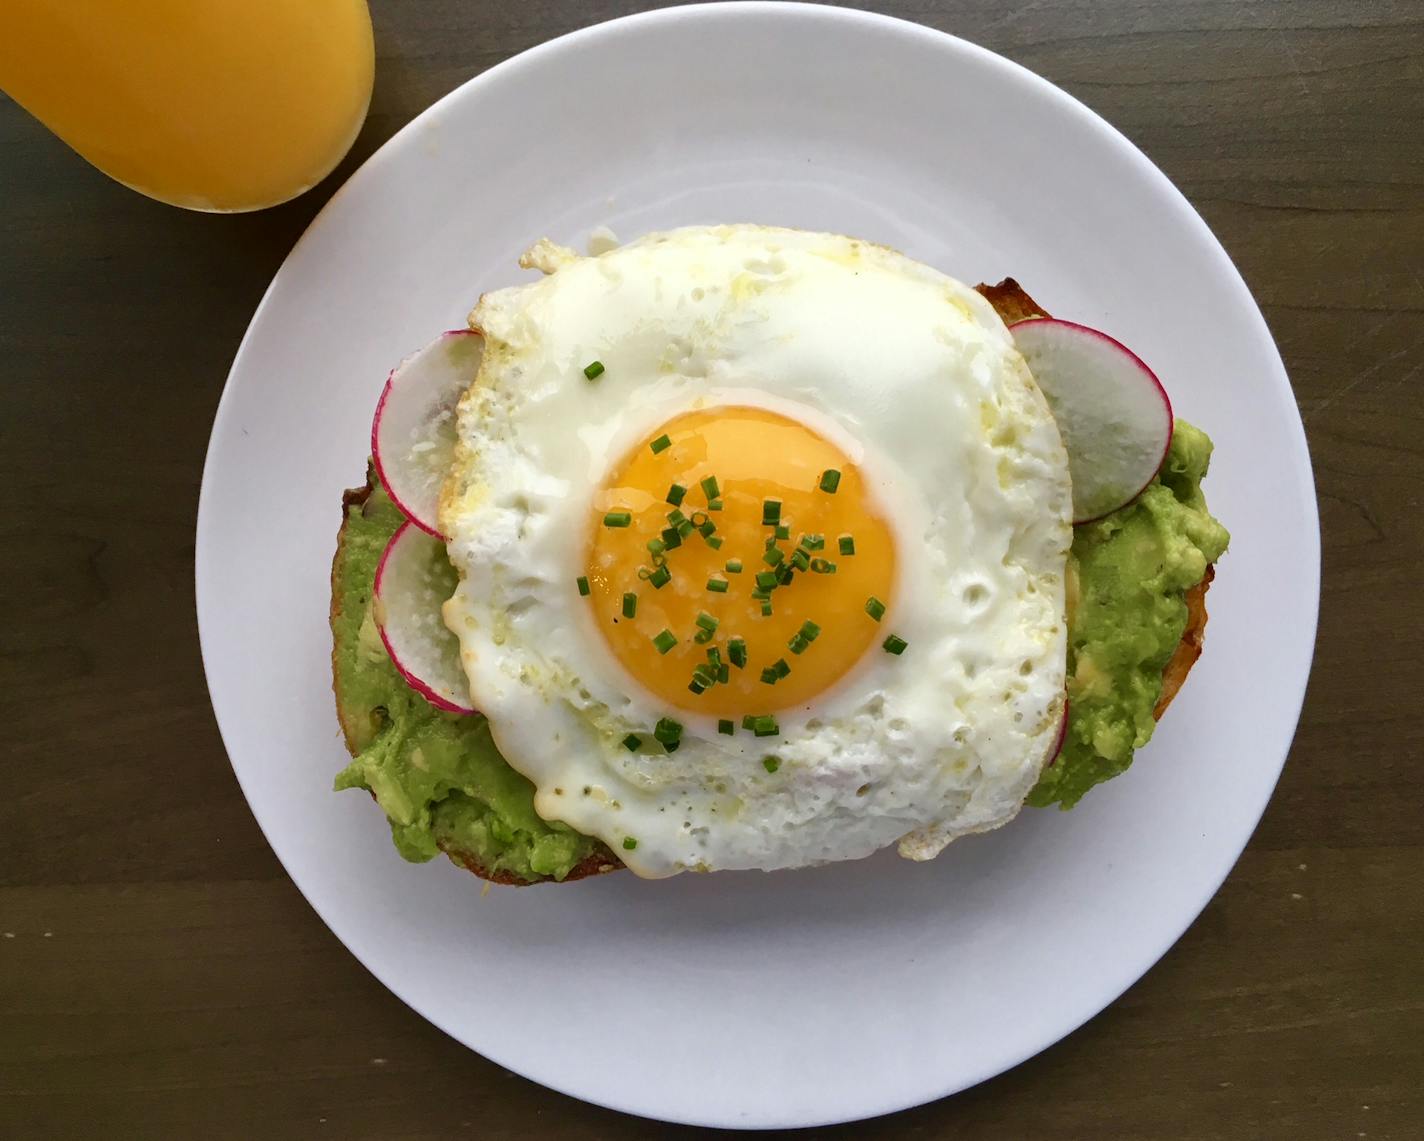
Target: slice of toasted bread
{"points": [[1013, 304]]}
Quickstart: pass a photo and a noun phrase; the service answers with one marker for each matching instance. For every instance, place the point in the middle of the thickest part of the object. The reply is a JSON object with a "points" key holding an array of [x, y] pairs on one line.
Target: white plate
{"points": [[750, 999]]}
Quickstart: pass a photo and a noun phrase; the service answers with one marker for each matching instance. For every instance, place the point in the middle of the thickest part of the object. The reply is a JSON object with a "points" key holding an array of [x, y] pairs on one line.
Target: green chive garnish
{"points": [[594, 370], [667, 730], [705, 621], [661, 444], [664, 641], [726, 728], [800, 559], [632, 742], [660, 578], [772, 556], [765, 726], [629, 843], [768, 676], [810, 631], [717, 585], [894, 644], [830, 480], [822, 566], [766, 580], [706, 528], [781, 668], [696, 687], [676, 517], [734, 566], [770, 512], [770, 764], [783, 532], [709, 488], [583, 585], [715, 542], [847, 544], [714, 505], [675, 494], [766, 608], [656, 547], [875, 608], [618, 519], [630, 604], [737, 652]]}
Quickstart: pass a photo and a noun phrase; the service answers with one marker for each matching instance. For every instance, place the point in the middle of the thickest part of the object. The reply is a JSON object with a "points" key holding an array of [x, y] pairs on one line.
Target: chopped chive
{"points": [[769, 676], [772, 556], [629, 843], [766, 580], [766, 608], [685, 528], [748, 721], [770, 512], [737, 652], [618, 519], [810, 631], [781, 668], [798, 644], [765, 726], [583, 585], [699, 519], [707, 528], [671, 538], [715, 542], [630, 604], [632, 742], [676, 517], [672, 746], [785, 573], [717, 585], [783, 531], [703, 676], [875, 608], [660, 578], [667, 730], [830, 480], [770, 764], [656, 547], [822, 566], [593, 370], [709, 488], [714, 656], [714, 505], [847, 544], [734, 566], [894, 644], [664, 641], [723, 673], [661, 444], [813, 542], [726, 728], [675, 494], [696, 687], [705, 621], [800, 559]]}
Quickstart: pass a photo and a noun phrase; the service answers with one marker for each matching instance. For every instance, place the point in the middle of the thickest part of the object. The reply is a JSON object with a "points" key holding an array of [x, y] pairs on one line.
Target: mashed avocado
{"points": [[437, 776], [441, 782], [1127, 615]]}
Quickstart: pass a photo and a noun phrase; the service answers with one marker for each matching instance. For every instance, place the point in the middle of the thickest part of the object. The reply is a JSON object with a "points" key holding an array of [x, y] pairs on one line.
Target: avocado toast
{"points": [[1137, 582]]}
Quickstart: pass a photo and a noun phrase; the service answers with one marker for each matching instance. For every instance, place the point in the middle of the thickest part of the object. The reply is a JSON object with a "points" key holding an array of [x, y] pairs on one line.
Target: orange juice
{"points": [[208, 104]]}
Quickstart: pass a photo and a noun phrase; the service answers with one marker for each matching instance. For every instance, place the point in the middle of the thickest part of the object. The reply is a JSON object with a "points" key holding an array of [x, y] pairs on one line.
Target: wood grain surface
{"points": [[161, 978]]}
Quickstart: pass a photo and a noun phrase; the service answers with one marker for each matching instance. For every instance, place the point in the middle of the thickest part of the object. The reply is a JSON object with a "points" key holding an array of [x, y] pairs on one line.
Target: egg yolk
{"points": [[681, 532]]}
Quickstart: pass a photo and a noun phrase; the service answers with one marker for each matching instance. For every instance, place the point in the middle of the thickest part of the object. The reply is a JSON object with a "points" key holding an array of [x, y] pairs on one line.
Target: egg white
{"points": [[915, 376]]}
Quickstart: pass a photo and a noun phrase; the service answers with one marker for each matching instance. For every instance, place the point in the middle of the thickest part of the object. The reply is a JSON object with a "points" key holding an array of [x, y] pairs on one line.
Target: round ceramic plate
{"points": [[746, 999]]}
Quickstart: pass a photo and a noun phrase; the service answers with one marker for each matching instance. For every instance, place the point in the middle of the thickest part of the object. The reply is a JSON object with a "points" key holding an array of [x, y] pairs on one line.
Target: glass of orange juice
{"points": [[209, 104]]}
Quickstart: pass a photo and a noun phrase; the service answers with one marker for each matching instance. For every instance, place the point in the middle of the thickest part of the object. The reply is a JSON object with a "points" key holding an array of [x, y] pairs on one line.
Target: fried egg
{"points": [[761, 537]]}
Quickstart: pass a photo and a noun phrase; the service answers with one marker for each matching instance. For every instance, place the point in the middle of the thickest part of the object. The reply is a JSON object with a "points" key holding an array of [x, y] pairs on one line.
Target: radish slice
{"points": [[413, 579], [413, 435], [1062, 736], [1112, 411]]}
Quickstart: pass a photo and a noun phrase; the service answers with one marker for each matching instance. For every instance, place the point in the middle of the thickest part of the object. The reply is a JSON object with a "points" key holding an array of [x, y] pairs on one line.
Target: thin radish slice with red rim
{"points": [[413, 434], [1112, 411], [413, 580]]}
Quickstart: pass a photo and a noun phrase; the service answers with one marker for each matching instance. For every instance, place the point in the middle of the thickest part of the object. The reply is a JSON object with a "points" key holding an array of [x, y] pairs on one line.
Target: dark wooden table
{"points": [[159, 975]]}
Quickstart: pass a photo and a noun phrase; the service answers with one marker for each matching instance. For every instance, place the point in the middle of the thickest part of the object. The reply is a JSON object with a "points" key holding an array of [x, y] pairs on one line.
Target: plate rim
{"points": [[1014, 72]]}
